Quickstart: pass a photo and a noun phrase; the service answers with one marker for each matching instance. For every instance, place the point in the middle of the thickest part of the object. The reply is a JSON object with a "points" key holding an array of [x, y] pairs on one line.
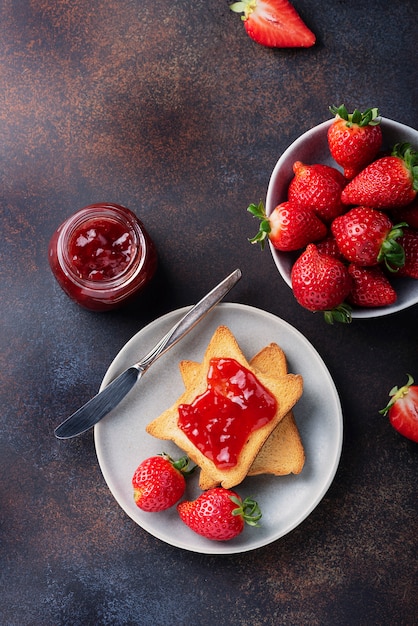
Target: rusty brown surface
{"points": [[171, 110]]}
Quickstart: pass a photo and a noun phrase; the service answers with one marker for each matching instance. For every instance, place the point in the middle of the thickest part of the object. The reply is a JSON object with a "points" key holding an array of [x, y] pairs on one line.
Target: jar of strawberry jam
{"points": [[102, 256]]}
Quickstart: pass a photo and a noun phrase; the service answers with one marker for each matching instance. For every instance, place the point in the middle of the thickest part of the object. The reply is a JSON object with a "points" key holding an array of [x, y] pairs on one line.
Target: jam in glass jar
{"points": [[102, 256]]}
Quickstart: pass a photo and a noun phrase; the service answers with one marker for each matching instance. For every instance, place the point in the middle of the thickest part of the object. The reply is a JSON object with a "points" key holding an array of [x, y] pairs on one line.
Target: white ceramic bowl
{"points": [[310, 148]]}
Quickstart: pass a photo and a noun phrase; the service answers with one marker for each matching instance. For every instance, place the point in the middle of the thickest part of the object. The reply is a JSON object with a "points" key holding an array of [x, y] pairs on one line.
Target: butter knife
{"points": [[107, 399]]}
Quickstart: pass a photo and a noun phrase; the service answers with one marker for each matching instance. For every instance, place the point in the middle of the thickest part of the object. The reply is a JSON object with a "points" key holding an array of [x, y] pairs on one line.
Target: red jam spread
{"points": [[219, 421], [101, 249], [102, 256]]}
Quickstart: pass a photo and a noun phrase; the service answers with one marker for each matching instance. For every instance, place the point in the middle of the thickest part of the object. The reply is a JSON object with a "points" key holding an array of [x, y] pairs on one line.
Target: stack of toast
{"points": [[275, 448]]}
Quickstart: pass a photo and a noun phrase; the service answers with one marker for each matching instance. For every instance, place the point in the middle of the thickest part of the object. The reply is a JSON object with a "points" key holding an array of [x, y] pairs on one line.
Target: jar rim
{"points": [[110, 211]]}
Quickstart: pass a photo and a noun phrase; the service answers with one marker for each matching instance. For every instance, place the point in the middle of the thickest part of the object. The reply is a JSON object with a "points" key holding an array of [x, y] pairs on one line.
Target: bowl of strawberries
{"points": [[341, 216]]}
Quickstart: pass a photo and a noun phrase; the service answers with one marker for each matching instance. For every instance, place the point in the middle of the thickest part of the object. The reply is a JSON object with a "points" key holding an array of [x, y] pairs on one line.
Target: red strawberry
{"points": [[274, 23], [371, 287], [409, 242], [408, 214], [354, 139], [329, 247], [159, 482], [318, 188], [289, 227], [219, 514], [367, 237], [389, 182], [403, 409], [321, 283]]}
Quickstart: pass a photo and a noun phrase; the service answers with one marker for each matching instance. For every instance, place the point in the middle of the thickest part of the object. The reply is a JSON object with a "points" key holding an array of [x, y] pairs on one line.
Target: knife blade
{"points": [[106, 400]]}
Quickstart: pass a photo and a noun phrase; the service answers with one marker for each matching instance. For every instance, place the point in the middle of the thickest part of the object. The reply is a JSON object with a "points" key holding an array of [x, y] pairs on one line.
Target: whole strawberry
{"points": [[159, 482], [354, 139], [403, 409], [409, 243], [367, 237], [408, 214], [318, 188], [219, 514], [389, 182], [371, 287], [329, 247], [289, 227], [321, 283]]}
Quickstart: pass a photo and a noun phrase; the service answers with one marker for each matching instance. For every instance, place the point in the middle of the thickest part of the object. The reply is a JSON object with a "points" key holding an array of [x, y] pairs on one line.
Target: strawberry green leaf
{"points": [[341, 111], [182, 464], [258, 211], [239, 7], [391, 252], [396, 394], [340, 314], [248, 509], [369, 117], [409, 156]]}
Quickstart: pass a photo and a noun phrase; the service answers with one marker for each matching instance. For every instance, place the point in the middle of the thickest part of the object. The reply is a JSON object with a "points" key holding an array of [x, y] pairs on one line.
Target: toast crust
{"points": [[286, 388]]}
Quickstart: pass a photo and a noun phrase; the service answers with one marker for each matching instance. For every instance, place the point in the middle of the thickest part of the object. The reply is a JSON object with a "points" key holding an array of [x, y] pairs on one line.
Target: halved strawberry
{"points": [[403, 409], [274, 23]]}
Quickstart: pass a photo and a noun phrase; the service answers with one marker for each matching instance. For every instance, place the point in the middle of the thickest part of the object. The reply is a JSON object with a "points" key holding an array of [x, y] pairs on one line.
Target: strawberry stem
{"points": [[409, 156], [369, 117], [258, 211], [341, 313], [246, 7], [182, 464], [391, 251], [248, 509], [397, 394]]}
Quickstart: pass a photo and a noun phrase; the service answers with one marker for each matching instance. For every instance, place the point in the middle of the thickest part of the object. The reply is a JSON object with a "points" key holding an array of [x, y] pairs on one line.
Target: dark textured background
{"points": [[170, 109]]}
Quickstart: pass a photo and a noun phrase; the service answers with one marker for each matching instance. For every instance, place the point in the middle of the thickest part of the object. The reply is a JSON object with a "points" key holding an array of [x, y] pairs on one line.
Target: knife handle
{"points": [[190, 319]]}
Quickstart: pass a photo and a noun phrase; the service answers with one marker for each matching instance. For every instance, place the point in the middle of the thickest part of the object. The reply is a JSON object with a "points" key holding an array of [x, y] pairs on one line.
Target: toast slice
{"points": [[283, 452], [286, 389]]}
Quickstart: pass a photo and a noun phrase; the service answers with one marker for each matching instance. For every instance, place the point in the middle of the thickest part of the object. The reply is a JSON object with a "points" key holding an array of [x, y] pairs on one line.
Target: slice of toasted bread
{"points": [[283, 452], [286, 389]]}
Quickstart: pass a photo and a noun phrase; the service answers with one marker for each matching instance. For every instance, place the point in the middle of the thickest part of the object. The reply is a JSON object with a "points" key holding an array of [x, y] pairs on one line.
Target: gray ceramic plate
{"points": [[122, 443]]}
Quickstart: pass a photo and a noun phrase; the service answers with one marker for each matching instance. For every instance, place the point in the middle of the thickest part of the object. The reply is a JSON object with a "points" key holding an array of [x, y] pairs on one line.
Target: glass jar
{"points": [[102, 256]]}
